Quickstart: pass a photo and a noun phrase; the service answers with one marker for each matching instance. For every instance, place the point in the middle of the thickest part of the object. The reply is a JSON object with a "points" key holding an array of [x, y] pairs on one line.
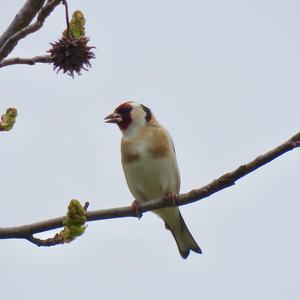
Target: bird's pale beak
{"points": [[113, 118]]}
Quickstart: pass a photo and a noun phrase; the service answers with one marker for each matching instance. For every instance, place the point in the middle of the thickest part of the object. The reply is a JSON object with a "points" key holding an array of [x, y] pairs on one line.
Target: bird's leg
{"points": [[172, 197], [135, 205]]}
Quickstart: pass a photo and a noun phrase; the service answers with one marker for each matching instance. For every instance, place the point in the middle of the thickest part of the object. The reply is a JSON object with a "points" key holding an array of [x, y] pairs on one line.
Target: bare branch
{"points": [[25, 61], [225, 181], [13, 40], [22, 19]]}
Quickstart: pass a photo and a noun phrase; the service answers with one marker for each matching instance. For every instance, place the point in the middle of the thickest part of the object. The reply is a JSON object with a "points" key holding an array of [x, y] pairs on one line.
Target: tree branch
{"points": [[25, 61], [225, 181], [22, 19], [13, 40]]}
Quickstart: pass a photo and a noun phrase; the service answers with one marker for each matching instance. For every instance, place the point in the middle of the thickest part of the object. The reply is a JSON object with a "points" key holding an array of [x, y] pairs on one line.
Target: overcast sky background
{"points": [[223, 77]]}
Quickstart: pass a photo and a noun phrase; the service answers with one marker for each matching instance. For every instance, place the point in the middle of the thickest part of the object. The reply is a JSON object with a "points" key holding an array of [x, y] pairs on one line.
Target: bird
{"points": [[150, 167]]}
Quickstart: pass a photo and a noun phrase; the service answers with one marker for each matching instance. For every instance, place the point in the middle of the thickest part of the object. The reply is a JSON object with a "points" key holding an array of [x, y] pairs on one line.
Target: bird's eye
{"points": [[124, 110]]}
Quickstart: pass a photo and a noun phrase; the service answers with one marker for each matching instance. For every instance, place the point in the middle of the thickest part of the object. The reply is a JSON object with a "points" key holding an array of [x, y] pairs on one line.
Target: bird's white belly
{"points": [[152, 178]]}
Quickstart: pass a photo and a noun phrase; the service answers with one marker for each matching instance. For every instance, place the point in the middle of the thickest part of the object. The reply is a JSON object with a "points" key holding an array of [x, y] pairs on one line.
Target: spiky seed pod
{"points": [[71, 55]]}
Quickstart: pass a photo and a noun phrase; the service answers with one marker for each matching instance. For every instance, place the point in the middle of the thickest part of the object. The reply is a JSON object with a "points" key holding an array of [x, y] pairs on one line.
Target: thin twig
{"points": [[25, 61], [65, 3], [225, 181], [13, 40]]}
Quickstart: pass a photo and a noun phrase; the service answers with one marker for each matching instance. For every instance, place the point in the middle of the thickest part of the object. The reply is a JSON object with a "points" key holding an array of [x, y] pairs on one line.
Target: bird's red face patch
{"points": [[124, 110]]}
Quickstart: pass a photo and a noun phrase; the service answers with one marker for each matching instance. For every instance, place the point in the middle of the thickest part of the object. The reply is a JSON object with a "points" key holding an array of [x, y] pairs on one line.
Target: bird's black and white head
{"points": [[130, 117]]}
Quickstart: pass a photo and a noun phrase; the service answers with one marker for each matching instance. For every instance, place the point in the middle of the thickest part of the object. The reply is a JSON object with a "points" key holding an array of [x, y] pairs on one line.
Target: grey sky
{"points": [[223, 77]]}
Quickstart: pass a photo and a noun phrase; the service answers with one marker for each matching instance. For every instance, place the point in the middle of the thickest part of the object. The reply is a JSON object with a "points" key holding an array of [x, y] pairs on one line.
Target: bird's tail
{"points": [[175, 223]]}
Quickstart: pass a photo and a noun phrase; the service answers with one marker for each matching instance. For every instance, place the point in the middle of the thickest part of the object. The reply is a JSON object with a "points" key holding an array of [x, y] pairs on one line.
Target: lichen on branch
{"points": [[76, 26], [74, 222], [8, 119], [74, 226]]}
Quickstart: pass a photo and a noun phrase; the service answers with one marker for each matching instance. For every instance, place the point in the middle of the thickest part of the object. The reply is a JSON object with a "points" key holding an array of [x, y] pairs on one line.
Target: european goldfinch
{"points": [[150, 166]]}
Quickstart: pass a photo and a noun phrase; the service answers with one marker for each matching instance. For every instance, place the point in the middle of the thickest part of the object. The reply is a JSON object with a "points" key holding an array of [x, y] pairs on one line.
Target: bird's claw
{"points": [[172, 198], [135, 205]]}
